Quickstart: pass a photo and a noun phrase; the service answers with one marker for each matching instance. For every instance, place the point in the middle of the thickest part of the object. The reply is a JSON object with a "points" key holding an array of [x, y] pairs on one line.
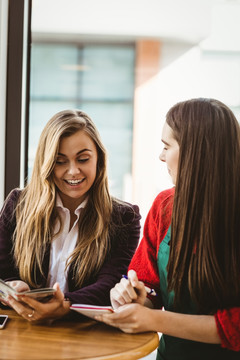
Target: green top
{"points": [[172, 348]]}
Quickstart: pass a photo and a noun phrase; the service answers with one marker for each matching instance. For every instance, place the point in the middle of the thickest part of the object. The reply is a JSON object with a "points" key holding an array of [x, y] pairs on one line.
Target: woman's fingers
{"points": [[58, 295], [131, 318], [18, 285], [128, 290], [132, 277], [138, 287], [122, 293], [21, 308], [33, 310]]}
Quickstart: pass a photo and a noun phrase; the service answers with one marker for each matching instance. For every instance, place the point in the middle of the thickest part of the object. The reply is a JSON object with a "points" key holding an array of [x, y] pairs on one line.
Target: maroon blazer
{"points": [[123, 238]]}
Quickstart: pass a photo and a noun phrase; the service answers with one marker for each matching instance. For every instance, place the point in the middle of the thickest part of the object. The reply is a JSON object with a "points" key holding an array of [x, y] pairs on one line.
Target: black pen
{"points": [[148, 290]]}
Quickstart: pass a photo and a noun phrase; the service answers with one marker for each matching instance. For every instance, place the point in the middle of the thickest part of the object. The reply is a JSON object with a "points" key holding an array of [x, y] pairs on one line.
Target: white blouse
{"points": [[62, 245]]}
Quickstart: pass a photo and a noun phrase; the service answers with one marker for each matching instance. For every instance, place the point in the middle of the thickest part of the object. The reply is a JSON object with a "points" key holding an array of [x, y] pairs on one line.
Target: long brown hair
{"points": [[205, 230], [35, 212]]}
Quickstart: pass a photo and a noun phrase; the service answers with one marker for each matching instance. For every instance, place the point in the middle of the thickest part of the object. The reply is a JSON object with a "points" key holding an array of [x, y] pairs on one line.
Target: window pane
{"points": [[53, 71], [109, 72]]}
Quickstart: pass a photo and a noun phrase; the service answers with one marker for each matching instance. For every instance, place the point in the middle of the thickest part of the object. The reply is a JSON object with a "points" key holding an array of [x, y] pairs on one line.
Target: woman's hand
{"points": [[33, 310], [18, 285], [128, 291], [135, 318], [131, 318]]}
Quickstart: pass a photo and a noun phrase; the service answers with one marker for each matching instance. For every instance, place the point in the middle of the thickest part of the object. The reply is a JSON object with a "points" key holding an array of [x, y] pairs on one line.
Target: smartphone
{"points": [[3, 320]]}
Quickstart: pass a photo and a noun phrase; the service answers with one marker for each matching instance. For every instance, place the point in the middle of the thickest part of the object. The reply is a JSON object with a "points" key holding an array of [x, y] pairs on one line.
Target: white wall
{"points": [[225, 26], [185, 20], [3, 74], [209, 69]]}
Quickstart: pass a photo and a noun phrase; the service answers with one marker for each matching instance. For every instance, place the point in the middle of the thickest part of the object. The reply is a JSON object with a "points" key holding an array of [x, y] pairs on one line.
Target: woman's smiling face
{"points": [[170, 152], [76, 167]]}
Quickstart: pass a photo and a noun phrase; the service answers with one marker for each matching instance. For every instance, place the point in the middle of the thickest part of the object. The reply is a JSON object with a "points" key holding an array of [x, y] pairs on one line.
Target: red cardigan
{"points": [[144, 262]]}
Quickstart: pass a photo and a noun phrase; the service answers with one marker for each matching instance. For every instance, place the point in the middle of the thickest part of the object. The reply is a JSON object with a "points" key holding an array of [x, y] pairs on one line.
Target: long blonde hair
{"points": [[35, 211]]}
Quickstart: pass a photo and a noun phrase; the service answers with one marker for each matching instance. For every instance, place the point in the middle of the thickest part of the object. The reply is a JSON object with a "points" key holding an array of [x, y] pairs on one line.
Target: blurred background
{"points": [[125, 63]]}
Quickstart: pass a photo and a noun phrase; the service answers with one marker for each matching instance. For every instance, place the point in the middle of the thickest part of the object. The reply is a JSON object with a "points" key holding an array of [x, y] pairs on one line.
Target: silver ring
{"points": [[31, 315]]}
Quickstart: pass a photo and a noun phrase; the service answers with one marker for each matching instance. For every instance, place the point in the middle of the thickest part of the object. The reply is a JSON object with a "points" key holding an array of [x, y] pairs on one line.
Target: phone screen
{"points": [[3, 320]]}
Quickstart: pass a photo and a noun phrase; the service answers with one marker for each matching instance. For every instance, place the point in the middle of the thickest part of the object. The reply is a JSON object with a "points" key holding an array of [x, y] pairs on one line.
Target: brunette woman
{"points": [[190, 251]]}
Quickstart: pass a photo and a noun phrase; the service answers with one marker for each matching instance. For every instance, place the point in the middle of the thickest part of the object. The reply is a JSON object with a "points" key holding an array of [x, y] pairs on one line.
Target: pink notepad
{"points": [[91, 310]]}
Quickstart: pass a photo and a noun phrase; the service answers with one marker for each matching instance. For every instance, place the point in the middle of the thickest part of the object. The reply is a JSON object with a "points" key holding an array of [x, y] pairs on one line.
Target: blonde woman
{"points": [[64, 230]]}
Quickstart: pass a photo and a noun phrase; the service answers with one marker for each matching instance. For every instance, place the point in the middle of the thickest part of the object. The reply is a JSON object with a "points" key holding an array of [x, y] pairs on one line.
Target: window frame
{"points": [[17, 93]]}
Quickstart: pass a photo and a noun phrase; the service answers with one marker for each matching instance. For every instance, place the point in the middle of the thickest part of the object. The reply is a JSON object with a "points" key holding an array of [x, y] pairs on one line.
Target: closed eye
{"points": [[61, 162], [83, 160]]}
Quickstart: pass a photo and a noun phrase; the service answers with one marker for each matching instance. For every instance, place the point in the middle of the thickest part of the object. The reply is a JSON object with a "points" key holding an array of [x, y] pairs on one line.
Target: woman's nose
{"points": [[74, 168], [162, 157]]}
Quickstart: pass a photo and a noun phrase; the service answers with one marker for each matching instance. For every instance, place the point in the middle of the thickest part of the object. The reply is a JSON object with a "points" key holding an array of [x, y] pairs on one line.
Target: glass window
{"points": [[109, 73], [50, 76]]}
